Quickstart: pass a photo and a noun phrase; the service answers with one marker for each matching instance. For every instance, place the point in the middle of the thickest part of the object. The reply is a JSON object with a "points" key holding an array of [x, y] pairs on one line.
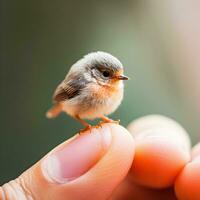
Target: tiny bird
{"points": [[93, 88]]}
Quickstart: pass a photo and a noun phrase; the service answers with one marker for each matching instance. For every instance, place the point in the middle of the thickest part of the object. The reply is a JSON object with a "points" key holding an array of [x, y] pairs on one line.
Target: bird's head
{"points": [[104, 68]]}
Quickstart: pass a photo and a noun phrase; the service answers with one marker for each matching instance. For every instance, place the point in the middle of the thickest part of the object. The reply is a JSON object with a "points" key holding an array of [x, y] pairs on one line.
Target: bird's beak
{"points": [[122, 77]]}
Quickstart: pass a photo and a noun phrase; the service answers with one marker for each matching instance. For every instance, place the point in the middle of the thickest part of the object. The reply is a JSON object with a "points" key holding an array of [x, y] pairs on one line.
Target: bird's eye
{"points": [[106, 74]]}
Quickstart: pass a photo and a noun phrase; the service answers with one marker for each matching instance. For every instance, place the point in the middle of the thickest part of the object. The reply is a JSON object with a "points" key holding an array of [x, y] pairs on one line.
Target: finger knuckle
{"points": [[15, 190]]}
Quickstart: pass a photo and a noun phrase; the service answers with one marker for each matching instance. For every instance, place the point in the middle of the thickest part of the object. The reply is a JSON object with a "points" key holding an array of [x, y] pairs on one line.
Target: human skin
{"points": [[151, 161]]}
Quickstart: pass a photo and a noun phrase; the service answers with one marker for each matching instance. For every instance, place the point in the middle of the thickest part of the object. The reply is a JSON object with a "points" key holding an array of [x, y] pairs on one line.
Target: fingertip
{"points": [[157, 162], [188, 182], [111, 169], [162, 150]]}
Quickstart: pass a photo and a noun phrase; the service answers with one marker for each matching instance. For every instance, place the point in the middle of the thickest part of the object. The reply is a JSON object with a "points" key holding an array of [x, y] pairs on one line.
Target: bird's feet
{"points": [[104, 120], [108, 120], [87, 128], [99, 125]]}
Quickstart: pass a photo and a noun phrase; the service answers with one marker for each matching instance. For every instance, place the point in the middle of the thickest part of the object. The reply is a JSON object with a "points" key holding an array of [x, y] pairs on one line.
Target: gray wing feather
{"points": [[69, 88]]}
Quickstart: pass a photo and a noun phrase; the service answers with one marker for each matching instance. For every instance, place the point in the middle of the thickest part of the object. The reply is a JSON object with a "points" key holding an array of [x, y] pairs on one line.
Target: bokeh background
{"points": [[157, 41]]}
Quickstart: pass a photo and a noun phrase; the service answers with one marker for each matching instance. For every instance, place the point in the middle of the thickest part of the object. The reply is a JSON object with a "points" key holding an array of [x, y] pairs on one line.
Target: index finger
{"points": [[162, 150], [188, 181]]}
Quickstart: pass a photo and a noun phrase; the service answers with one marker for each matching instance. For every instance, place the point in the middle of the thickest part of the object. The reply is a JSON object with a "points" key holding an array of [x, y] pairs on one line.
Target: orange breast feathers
{"points": [[105, 91]]}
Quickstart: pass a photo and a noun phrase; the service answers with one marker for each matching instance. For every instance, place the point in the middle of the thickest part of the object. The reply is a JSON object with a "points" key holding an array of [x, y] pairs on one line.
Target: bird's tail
{"points": [[54, 111]]}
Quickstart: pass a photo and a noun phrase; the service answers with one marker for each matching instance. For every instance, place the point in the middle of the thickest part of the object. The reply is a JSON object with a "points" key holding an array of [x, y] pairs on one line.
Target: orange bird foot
{"points": [[87, 128], [108, 120]]}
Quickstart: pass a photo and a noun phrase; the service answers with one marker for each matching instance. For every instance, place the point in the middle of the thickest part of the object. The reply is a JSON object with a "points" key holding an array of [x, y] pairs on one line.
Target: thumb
{"points": [[89, 165]]}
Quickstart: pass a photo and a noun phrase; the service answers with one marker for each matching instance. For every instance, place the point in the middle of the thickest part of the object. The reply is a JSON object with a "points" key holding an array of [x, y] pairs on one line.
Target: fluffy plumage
{"points": [[92, 88]]}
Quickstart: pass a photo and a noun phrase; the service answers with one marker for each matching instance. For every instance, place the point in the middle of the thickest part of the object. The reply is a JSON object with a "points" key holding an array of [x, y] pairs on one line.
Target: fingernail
{"points": [[75, 158]]}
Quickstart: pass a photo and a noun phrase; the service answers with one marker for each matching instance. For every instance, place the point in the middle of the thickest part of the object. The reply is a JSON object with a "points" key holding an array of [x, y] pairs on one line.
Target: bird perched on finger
{"points": [[93, 88]]}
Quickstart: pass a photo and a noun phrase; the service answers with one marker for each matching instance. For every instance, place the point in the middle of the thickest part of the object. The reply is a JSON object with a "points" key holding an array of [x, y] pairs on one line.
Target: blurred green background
{"points": [[40, 40]]}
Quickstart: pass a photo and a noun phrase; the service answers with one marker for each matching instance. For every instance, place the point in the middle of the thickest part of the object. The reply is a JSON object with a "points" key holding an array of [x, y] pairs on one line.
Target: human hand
{"points": [[109, 164]]}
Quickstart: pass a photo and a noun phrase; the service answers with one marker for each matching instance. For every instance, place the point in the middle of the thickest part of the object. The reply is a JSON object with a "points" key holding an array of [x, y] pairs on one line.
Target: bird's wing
{"points": [[69, 89]]}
